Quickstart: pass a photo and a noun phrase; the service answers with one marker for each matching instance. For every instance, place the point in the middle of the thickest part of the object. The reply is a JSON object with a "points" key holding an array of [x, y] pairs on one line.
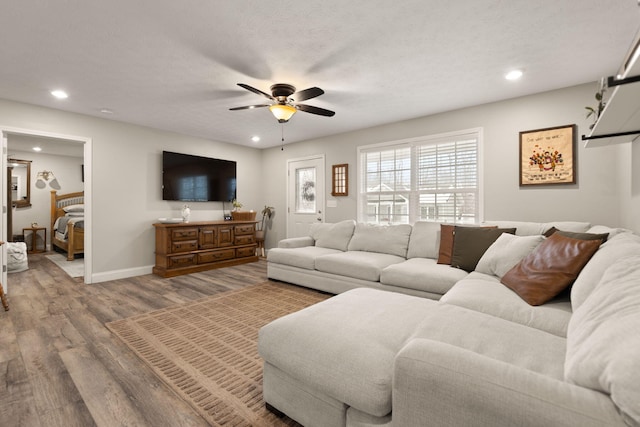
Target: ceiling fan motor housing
{"points": [[282, 90]]}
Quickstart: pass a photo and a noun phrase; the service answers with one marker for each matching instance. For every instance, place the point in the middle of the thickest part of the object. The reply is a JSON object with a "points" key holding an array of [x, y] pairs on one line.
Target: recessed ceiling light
{"points": [[513, 75], [37, 148], [106, 111], [255, 138], [60, 94]]}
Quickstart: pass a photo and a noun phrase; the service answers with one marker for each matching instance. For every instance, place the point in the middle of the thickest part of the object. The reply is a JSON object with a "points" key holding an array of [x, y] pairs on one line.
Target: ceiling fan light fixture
{"points": [[282, 112]]}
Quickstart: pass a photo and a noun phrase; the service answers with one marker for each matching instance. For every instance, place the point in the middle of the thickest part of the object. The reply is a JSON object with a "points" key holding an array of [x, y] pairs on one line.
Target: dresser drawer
{"points": [[244, 229], [184, 246], [213, 256], [184, 233], [245, 252], [178, 261], [245, 240]]}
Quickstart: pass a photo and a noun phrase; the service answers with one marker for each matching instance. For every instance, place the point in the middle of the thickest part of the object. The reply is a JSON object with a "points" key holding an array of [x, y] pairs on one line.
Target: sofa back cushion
{"points": [[603, 344], [384, 239], [425, 240], [616, 247], [333, 236]]}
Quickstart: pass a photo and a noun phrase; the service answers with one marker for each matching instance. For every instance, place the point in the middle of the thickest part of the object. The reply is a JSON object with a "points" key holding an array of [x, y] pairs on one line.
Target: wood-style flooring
{"points": [[60, 366]]}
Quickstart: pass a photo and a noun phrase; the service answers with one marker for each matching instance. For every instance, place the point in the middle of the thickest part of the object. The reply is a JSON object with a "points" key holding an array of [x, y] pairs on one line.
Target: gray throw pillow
{"points": [[506, 252]]}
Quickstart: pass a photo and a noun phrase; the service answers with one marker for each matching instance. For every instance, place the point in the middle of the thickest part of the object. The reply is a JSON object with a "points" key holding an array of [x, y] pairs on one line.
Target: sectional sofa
{"points": [[503, 341]]}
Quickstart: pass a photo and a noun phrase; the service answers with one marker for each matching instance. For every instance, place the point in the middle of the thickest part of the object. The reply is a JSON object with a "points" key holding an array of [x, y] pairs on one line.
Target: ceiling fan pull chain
{"points": [[282, 127]]}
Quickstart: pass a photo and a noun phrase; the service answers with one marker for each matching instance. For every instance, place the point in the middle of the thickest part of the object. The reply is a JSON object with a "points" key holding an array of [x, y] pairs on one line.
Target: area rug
{"points": [[73, 268], [206, 350]]}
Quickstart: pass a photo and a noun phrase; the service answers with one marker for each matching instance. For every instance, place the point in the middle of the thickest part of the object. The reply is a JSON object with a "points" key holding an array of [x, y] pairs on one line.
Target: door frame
{"points": [[323, 202], [5, 131]]}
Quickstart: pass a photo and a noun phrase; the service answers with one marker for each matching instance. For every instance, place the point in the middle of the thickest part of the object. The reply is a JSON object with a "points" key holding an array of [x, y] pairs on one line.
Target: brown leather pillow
{"points": [[550, 268], [446, 243]]}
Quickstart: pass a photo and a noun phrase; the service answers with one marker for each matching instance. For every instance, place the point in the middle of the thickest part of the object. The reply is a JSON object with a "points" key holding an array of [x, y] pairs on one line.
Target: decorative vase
{"points": [[186, 213]]}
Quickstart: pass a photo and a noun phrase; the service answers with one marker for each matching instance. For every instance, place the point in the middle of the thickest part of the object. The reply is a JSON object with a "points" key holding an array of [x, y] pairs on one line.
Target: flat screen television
{"points": [[191, 178]]}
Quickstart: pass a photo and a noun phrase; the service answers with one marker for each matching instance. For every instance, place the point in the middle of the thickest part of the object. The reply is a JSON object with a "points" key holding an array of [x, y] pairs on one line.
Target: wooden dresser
{"points": [[190, 247]]}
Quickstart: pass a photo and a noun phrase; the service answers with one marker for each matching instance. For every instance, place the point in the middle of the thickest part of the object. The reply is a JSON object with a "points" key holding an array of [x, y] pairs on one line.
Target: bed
{"points": [[67, 223]]}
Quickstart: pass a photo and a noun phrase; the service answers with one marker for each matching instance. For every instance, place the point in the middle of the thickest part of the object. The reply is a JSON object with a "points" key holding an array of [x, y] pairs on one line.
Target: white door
{"points": [[305, 195], [4, 235]]}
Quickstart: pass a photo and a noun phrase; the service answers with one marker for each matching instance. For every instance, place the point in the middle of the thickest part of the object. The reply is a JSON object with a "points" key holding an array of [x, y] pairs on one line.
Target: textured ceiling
{"points": [[174, 65]]}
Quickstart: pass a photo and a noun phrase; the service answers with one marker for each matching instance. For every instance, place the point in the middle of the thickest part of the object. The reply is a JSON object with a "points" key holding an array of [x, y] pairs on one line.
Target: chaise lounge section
{"points": [[456, 347]]}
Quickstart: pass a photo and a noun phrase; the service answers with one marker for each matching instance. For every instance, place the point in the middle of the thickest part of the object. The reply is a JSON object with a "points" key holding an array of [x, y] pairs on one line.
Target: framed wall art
{"points": [[340, 180], [548, 156]]}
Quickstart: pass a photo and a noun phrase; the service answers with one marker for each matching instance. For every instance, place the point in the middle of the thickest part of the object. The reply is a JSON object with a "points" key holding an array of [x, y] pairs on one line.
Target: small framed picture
{"points": [[548, 156]]}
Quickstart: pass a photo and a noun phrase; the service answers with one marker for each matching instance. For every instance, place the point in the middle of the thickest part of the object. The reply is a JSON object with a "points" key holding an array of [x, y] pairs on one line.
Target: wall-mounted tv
{"points": [[191, 178]]}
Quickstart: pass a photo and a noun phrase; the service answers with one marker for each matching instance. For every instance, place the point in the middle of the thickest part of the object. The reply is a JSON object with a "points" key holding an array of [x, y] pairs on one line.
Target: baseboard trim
{"points": [[121, 274]]}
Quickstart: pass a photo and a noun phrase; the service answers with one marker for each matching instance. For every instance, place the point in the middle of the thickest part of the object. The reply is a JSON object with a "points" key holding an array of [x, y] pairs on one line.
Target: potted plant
{"points": [[237, 215], [267, 213]]}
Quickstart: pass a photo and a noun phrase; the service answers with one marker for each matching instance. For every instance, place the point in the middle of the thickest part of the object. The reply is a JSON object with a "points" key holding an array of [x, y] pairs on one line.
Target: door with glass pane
{"points": [[305, 200]]}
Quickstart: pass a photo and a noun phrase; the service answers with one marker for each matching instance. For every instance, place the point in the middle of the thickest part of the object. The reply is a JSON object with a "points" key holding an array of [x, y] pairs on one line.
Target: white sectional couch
{"points": [[473, 352]]}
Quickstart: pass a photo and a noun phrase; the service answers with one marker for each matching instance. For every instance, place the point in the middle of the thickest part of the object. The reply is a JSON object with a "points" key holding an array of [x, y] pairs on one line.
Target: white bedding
{"points": [[62, 224]]}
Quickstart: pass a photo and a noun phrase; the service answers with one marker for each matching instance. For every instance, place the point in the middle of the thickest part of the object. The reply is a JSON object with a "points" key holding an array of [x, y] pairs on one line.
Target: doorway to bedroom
{"points": [[59, 174]]}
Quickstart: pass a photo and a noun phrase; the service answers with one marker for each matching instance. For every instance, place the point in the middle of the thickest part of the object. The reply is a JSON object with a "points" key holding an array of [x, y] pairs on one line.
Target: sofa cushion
{"points": [[618, 246], [507, 251], [470, 243], [333, 236], [384, 239], [345, 346], [485, 294], [424, 241], [603, 344], [494, 337], [550, 268], [356, 264], [296, 242], [600, 229], [304, 257], [423, 274]]}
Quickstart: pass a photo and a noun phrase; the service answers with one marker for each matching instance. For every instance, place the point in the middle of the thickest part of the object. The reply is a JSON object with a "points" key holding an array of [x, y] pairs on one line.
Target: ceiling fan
{"points": [[286, 101]]}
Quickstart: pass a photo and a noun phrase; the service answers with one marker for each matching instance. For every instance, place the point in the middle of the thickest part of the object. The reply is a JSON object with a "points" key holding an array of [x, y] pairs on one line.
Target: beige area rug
{"points": [[73, 268], [206, 350]]}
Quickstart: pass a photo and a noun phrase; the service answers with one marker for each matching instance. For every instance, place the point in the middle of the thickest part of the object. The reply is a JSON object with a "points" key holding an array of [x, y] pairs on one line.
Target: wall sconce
{"points": [[44, 176]]}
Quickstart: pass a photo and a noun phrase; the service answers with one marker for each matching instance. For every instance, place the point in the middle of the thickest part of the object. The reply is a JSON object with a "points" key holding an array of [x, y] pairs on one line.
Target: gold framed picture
{"points": [[548, 156]]}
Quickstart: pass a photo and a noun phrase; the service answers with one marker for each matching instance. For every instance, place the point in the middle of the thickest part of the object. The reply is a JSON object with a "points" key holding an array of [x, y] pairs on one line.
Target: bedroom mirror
{"points": [[20, 182]]}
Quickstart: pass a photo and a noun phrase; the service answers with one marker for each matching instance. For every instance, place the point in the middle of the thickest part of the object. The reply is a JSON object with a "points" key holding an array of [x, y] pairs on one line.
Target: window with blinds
{"points": [[423, 179]]}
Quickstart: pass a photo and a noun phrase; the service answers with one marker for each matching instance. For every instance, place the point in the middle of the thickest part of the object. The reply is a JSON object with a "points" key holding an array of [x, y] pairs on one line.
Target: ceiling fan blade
{"points": [[303, 95], [315, 110], [249, 107], [254, 90]]}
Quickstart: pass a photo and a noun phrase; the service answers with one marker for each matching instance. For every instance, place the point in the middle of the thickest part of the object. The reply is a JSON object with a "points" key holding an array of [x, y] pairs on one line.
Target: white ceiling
{"points": [[174, 65]]}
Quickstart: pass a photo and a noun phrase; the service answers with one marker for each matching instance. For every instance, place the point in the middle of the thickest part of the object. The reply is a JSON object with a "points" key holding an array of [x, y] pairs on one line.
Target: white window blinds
{"points": [[429, 179]]}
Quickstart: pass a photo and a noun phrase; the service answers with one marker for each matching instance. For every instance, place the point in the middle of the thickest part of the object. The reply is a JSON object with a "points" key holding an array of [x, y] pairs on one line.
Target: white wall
{"points": [[67, 171], [629, 184], [594, 198], [127, 161], [126, 171]]}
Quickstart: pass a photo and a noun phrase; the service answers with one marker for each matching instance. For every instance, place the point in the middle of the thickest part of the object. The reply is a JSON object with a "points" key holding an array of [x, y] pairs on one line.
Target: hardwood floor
{"points": [[59, 365]]}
